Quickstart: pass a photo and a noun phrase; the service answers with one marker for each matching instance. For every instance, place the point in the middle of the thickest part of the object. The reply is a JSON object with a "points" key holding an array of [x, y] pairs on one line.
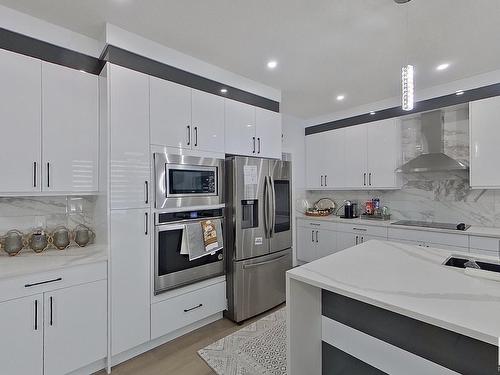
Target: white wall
{"points": [[294, 144]]}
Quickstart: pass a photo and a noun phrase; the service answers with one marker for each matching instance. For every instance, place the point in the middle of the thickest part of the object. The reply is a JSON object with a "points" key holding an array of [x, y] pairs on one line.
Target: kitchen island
{"points": [[384, 307]]}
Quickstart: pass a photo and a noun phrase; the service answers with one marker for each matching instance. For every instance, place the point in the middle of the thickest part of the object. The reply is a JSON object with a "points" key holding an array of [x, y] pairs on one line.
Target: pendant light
{"points": [[407, 72]]}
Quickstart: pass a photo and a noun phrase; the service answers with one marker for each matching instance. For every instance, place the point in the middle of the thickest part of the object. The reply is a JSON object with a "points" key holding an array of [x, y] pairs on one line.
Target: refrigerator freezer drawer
{"points": [[259, 284]]}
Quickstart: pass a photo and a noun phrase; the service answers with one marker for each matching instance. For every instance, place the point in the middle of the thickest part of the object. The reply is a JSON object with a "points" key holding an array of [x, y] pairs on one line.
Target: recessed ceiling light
{"points": [[224, 91], [372, 113], [459, 92], [272, 64], [442, 66], [340, 97]]}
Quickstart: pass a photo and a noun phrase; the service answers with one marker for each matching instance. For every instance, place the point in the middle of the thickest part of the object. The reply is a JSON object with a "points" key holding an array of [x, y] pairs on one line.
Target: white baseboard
{"points": [[90, 369]]}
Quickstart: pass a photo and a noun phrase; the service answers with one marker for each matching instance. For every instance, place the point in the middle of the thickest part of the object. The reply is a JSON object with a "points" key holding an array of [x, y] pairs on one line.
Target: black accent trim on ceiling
{"points": [[439, 345], [119, 56], [15, 42], [335, 361], [422, 106]]}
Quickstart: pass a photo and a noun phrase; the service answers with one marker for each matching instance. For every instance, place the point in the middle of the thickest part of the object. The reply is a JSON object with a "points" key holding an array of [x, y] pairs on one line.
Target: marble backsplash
{"points": [[27, 213], [430, 197]]}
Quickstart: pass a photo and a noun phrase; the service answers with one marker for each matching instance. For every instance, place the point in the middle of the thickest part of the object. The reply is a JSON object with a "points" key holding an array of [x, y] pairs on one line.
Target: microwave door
{"points": [[281, 215], [249, 179]]}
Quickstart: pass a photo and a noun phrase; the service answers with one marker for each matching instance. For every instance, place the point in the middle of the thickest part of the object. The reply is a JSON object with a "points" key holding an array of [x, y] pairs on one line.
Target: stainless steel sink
{"points": [[459, 261]]}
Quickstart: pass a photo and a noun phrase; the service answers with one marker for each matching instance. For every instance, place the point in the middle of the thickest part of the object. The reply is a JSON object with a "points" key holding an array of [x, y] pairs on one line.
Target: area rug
{"points": [[257, 349]]}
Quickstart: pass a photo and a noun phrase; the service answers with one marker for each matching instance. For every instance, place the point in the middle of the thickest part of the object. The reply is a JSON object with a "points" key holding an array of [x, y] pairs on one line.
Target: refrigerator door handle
{"points": [[273, 211], [266, 207]]}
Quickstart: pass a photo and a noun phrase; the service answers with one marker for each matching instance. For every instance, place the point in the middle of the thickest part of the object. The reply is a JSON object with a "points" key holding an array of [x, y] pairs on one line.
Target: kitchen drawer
{"points": [[368, 230], [180, 311], [22, 286], [429, 238], [323, 224], [484, 243], [455, 249]]}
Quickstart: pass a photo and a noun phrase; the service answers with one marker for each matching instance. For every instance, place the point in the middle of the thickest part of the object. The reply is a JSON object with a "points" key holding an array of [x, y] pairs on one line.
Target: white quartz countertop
{"points": [[474, 230], [412, 281], [28, 262]]}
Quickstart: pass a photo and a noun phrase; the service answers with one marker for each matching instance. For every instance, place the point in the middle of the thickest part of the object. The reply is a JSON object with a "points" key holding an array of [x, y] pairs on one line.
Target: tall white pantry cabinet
{"points": [[130, 219]]}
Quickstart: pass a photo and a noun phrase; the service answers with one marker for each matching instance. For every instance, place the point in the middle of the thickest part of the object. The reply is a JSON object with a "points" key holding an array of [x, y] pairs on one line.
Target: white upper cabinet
{"points": [[357, 157], [355, 173], [252, 131], [170, 114], [484, 122], [20, 110], [129, 122], [70, 125], [185, 118], [207, 127], [384, 153], [268, 133], [325, 160], [240, 129]]}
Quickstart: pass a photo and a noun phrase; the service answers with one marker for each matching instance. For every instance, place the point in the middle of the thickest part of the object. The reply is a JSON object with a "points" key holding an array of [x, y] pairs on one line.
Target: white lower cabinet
{"points": [[130, 279], [75, 327], [21, 339], [185, 309], [55, 332], [315, 243]]}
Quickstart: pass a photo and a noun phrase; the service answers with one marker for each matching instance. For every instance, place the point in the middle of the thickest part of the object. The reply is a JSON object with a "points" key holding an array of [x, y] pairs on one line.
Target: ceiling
{"points": [[323, 47]]}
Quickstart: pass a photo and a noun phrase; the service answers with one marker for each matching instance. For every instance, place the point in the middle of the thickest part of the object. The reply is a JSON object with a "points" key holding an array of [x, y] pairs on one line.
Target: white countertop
{"points": [[474, 230], [28, 262], [411, 280]]}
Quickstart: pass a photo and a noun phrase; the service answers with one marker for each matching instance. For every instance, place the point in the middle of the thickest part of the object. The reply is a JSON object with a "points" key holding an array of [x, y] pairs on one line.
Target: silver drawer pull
{"points": [[361, 229], [193, 308], [43, 282], [316, 224]]}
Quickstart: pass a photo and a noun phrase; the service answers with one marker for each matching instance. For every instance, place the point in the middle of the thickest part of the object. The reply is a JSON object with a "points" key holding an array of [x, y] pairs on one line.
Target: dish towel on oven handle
{"points": [[203, 238]]}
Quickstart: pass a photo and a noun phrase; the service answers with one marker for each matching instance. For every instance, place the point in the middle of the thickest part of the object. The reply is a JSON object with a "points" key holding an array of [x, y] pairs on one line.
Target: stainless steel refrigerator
{"points": [[258, 234]]}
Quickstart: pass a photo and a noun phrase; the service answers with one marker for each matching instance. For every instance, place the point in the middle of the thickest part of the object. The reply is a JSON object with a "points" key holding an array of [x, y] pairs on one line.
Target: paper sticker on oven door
{"points": [[258, 240]]}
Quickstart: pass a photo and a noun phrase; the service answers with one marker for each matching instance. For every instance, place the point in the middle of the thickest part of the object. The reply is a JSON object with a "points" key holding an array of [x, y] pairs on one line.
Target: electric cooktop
{"points": [[431, 224]]}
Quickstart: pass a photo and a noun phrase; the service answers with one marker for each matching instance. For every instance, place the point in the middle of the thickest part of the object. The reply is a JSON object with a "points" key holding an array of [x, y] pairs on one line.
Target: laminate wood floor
{"points": [[179, 356]]}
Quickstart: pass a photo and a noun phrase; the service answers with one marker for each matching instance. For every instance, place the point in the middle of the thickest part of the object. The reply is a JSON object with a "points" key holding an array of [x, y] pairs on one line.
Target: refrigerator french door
{"points": [[258, 235]]}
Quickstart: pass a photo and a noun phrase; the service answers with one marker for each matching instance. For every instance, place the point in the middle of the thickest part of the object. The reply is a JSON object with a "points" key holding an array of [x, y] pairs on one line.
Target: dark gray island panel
{"points": [[459, 353]]}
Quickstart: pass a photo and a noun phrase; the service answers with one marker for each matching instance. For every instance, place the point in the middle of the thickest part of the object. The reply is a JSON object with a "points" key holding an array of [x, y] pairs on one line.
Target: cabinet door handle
{"points": [[312, 236], [362, 239], [253, 140], [146, 223], [360, 229], [258, 143], [146, 192], [48, 174], [326, 183], [356, 241], [364, 179], [188, 135], [43, 282], [196, 136], [317, 236], [370, 178], [321, 180], [36, 315], [34, 174], [193, 308], [51, 299]]}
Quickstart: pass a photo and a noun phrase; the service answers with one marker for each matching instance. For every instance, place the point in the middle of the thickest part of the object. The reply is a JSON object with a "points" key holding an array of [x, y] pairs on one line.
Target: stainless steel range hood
{"points": [[433, 159]]}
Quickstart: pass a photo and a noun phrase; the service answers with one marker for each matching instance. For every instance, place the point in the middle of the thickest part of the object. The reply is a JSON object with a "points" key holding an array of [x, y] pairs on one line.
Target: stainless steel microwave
{"points": [[187, 181]]}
